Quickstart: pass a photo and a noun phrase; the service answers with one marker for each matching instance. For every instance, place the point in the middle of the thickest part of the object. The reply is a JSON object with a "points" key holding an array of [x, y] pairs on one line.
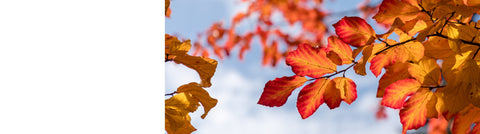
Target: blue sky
{"points": [[238, 84]]}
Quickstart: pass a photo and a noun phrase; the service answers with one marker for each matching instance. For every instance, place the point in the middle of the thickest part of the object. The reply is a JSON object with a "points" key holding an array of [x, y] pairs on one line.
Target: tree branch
{"points": [[390, 46]]}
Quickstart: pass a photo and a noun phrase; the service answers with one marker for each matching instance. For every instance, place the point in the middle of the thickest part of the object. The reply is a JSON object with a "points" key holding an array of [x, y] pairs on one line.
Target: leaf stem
{"points": [[174, 92]]}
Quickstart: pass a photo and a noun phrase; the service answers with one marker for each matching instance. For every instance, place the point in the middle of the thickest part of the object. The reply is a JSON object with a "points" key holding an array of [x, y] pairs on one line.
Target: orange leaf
{"points": [[415, 111], [393, 74], [437, 125], [311, 97], [408, 51], [464, 119], [396, 93], [437, 47], [309, 61], [276, 92], [341, 50], [204, 66], [332, 96], [426, 72], [199, 94], [347, 88], [390, 9], [354, 31]]}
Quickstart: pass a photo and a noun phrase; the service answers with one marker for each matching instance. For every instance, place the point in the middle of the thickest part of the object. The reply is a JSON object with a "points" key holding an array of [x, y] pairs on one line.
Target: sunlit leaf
{"points": [[204, 66], [177, 108], [437, 47], [199, 94], [390, 9], [392, 74], [415, 111], [396, 93], [347, 88], [312, 96], [340, 50], [309, 61], [464, 119], [276, 92], [354, 31], [426, 71]]}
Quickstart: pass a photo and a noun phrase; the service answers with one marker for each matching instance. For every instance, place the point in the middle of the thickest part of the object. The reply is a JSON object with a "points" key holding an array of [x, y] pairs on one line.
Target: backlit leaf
{"points": [[276, 92], [204, 66], [199, 94], [415, 111], [409, 51], [312, 96], [396, 93], [390, 9], [341, 50], [437, 47], [332, 96], [354, 31], [464, 119], [347, 88], [309, 61], [427, 71], [177, 108], [392, 74]]}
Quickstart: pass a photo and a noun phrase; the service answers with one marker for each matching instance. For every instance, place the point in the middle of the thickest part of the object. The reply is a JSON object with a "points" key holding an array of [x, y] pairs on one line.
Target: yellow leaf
{"points": [[174, 47], [426, 71], [200, 95], [177, 108], [204, 66]]}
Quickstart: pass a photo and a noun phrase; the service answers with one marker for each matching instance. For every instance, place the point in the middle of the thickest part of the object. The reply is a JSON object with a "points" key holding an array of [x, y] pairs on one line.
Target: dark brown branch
{"points": [[174, 92], [341, 71], [446, 37], [390, 46]]}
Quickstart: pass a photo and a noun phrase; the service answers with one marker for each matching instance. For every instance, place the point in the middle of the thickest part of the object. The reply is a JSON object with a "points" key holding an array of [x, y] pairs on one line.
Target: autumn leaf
{"points": [[437, 47], [200, 95], [392, 74], [391, 9], [309, 61], [276, 92], [312, 96], [338, 49], [177, 108], [347, 88], [417, 108], [426, 71], [396, 93], [368, 53], [204, 66], [174, 47], [406, 50], [354, 31], [464, 119]]}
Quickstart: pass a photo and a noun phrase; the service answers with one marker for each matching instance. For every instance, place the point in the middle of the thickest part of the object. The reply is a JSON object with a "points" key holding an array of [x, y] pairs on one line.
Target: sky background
{"points": [[238, 84]]}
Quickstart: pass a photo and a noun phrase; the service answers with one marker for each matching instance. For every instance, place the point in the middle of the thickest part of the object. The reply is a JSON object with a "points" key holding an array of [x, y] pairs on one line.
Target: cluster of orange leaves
{"points": [[274, 40], [187, 98], [432, 72]]}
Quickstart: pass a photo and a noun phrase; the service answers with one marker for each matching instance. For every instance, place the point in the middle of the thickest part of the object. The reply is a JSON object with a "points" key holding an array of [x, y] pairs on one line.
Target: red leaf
{"points": [[276, 92], [396, 93], [311, 97], [309, 61], [417, 108], [354, 31]]}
